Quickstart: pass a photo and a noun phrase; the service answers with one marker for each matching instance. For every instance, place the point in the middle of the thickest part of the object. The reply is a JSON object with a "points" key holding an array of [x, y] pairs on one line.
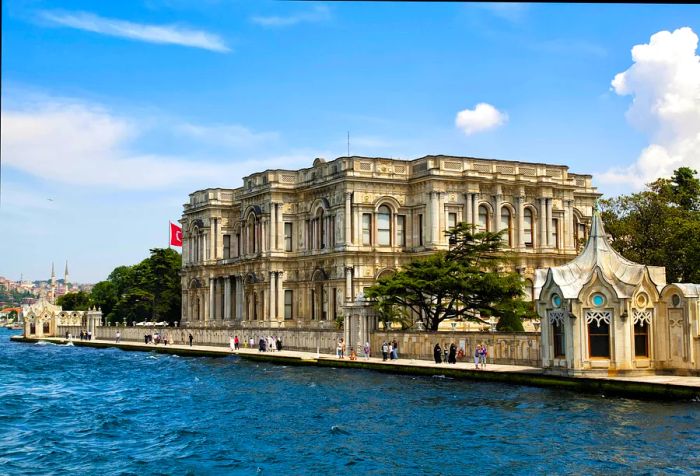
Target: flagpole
{"points": [[170, 230]]}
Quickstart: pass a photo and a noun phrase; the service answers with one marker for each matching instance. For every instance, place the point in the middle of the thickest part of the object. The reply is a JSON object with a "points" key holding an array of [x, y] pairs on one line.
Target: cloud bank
{"points": [[319, 13], [664, 82], [161, 34], [482, 118]]}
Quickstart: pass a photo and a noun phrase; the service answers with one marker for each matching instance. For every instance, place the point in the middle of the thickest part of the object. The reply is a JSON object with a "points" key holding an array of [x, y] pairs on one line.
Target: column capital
{"points": [[349, 267]]}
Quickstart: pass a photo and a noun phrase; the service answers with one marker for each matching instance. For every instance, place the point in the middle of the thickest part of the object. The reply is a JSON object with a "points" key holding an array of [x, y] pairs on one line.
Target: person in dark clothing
{"points": [[437, 353], [278, 344], [262, 344], [191, 339], [452, 358]]}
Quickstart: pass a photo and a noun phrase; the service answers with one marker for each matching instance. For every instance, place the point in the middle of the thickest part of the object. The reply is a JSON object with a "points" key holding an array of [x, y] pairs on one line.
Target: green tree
{"points": [[467, 282], [79, 301], [660, 225]]}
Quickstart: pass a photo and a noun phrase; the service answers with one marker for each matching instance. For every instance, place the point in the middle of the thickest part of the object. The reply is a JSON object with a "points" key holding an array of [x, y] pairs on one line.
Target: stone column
{"points": [[569, 230], [239, 298], [280, 296], [468, 206], [475, 209], [498, 201], [348, 283], [541, 224], [356, 232], [212, 238], [227, 298], [520, 239], [434, 217], [549, 223], [279, 213], [271, 298], [272, 229], [348, 218], [211, 316]]}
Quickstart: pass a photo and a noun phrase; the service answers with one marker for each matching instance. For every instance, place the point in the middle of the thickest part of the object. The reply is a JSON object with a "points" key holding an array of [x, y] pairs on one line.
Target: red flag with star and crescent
{"points": [[175, 235]]}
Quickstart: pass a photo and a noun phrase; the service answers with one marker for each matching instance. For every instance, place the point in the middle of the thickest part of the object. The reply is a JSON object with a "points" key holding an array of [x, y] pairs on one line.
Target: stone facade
{"points": [[290, 247], [602, 313]]}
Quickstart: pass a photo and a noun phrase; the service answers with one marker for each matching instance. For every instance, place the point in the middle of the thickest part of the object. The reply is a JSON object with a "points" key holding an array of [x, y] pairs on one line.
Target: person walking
{"points": [[385, 350], [395, 346], [231, 344], [391, 351], [437, 354], [484, 352], [445, 350], [452, 358], [366, 350], [236, 343], [477, 356], [191, 339], [119, 336]]}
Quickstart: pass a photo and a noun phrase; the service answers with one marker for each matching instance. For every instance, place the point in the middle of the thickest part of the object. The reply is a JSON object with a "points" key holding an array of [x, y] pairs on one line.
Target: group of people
{"points": [[451, 354], [156, 338], [340, 350], [234, 343], [390, 350], [84, 335], [269, 344]]}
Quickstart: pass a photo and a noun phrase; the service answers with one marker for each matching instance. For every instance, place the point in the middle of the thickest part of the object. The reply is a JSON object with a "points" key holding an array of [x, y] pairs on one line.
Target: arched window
{"points": [[383, 226], [483, 218], [528, 234], [506, 224], [558, 339]]}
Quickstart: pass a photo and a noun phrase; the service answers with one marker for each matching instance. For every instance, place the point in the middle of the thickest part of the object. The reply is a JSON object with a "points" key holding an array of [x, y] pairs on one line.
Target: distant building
{"points": [[602, 313], [290, 247], [43, 318]]}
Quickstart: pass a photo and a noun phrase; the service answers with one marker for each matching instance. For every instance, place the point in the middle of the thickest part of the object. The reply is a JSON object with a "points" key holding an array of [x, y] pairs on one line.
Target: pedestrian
{"points": [[395, 345], [445, 350], [452, 359], [251, 342], [437, 353], [236, 343], [66, 335], [231, 343], [353, 355], [119, 336], [385, 350], [477, 355], [339, 348], [391, 351], [278, 344], [366, 350], [191, 339], [484, 352], [89, 334], [81, 334]]}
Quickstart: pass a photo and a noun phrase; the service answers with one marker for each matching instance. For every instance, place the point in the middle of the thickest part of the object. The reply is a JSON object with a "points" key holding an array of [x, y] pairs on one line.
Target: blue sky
{"points": [[116, 111]]}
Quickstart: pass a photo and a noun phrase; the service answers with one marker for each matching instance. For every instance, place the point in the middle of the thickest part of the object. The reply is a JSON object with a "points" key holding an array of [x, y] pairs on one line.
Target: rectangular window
{"points": [[238, 245], [451, 220], [558, 334], [366, 229], [288, 304], [401, 230], [420, 229], [383, 229], [331, 231], [227, 246], [288, 236], [599, 339], [527, 228], [641, 340], [581, 233], [555, 232]]}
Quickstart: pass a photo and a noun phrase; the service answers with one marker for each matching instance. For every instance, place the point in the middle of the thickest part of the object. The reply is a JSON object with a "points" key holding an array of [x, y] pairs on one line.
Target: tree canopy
{"points": [[149, 290], [660, 225], [466, 282]]}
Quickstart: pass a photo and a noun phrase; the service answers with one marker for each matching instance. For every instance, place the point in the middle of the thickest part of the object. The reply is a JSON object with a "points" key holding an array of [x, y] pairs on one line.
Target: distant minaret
{"points": [[52, 292], [65, 277]]}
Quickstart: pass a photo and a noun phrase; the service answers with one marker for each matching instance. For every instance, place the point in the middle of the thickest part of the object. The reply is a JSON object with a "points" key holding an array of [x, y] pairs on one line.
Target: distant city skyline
{"points": [[113, 113]]}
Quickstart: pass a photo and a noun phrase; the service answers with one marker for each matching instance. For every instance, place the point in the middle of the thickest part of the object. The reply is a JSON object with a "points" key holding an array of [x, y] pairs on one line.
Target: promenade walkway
{"points": [[651, 386]]}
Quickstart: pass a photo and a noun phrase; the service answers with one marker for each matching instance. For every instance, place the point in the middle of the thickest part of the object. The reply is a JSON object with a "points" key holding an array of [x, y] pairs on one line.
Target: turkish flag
{"points": [[175, 235]]}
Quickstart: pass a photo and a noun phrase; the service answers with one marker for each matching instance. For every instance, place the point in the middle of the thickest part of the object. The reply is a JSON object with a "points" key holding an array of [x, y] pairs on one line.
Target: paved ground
{"points": [[499, 368]]}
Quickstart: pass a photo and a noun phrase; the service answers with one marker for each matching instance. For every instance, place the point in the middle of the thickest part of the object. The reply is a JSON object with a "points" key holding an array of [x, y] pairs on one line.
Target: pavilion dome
{"points": [[598, 255]]}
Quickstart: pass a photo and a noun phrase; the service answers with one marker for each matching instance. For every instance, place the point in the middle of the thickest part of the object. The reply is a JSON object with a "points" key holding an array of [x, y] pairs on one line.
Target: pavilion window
{"points": [[288, 304], [401, 230], [313, 305], [599, 339], [288, 229], [227, 246], [559, 339], [527, 228], [483, 218], [366, 228], [641, 339], [383, 226], [506, 224], [420, 229], [331, 231]]}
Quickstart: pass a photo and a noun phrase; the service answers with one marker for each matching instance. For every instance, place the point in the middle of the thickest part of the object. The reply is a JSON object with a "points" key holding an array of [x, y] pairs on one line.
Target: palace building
{"points": [[290, 247]]}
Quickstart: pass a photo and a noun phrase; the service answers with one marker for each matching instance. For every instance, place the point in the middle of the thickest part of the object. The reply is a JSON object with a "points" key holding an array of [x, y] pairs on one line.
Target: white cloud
{"points": [[233, 136], [482, 118], [319, 13], [513, 12], [162, 34], [665, 84], [82, 144]]}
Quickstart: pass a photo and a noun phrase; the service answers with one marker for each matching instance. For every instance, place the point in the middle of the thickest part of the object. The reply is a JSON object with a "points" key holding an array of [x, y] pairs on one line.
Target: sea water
{"points": [[77, 410]]}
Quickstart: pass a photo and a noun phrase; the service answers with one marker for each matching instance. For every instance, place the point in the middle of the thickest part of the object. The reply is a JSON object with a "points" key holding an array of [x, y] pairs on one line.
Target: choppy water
{"points": [[89, 411]]}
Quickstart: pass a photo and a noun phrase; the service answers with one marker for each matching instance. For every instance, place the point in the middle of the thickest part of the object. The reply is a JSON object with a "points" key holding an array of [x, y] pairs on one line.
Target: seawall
{"points": [[681, 388]]}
